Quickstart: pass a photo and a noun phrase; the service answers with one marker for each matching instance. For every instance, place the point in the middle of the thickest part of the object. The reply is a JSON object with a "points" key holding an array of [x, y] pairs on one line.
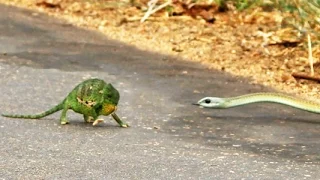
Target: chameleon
{"points": [[91, 98]]}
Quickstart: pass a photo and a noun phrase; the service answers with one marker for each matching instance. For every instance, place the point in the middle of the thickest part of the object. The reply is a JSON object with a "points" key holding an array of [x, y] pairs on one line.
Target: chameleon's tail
{"points": [[37, 116]]}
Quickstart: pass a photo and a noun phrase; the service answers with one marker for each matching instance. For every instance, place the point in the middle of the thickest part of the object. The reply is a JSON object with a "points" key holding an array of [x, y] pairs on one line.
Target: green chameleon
{"points": [[92, 98]]}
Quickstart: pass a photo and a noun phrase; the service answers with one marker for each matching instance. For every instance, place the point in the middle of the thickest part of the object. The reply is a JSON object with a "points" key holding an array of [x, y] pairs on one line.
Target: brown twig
{"points": [[306, 76]]}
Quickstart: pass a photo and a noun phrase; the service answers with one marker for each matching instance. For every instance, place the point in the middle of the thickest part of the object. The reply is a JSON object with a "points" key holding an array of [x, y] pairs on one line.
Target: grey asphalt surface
{"points": [[42, 59]]}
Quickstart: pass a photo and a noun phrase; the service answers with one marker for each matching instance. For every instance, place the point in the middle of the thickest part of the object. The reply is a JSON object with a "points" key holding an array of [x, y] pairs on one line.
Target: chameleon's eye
{"points": [[207, 101]]}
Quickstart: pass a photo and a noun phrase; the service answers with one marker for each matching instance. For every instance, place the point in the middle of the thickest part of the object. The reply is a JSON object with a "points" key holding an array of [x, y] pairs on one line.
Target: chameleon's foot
{"points": [[90, 119], [97, 122], [116, 118], [64, 122], [124, 125]]}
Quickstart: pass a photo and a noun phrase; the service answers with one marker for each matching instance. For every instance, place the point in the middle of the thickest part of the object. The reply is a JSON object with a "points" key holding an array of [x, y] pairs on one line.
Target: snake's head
{"points": [[211, 102]]}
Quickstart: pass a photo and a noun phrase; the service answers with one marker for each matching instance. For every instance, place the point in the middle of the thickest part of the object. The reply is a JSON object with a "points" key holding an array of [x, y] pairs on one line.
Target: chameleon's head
{"points": [[111, 95], [110, 101], [211, 102]]}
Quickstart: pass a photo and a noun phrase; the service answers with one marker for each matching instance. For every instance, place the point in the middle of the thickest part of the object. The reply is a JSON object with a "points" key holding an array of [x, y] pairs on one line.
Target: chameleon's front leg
{"points": [[116, 118], [88, 119], [92, 119], [63, 118], [97, 121]]}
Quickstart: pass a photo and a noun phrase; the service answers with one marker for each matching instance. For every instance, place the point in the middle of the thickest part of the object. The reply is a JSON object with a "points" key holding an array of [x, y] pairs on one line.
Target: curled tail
{"points": [[37, 116]]}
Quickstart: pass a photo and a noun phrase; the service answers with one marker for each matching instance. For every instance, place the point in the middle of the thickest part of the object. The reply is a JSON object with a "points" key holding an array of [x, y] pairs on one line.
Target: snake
{"points": [[280, 98]]}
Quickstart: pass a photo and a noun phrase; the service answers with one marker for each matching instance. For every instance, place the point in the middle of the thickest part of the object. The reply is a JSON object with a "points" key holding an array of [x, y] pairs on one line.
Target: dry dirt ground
{"points": [[248, 44]]}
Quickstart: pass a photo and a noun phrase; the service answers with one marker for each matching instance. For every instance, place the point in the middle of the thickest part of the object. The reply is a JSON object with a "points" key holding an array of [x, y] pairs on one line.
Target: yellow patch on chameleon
{"points": [[108, 109]]}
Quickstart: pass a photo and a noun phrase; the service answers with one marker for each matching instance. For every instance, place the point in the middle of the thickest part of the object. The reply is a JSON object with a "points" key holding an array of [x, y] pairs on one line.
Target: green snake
{"points": [[223, 103]]}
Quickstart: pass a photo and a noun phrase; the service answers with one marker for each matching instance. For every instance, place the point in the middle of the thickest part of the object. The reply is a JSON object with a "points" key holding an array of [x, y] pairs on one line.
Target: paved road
{"points": [[42, 59]]}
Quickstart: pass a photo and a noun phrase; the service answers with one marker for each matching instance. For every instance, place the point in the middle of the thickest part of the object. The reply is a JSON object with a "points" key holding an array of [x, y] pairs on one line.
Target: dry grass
{"points": [[254, 44]]}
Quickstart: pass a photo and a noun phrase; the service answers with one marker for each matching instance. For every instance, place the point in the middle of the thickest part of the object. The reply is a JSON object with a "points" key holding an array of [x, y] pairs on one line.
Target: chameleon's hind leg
{"points": [[63, 118], [116, 118], [88, 119]]}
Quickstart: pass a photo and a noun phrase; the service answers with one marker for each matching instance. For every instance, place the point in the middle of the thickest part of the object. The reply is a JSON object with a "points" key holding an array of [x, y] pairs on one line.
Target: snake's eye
{"points": [[207, 101]]}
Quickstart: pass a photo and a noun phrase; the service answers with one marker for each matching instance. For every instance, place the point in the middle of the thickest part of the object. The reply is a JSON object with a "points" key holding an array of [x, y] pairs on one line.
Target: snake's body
{"points": [[263, 97]]}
